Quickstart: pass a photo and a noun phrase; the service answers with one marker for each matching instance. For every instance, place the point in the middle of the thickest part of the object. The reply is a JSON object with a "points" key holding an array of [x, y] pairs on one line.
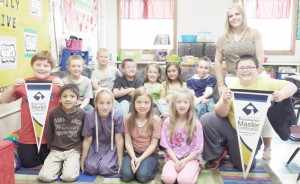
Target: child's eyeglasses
{"points": [[246, 68]]}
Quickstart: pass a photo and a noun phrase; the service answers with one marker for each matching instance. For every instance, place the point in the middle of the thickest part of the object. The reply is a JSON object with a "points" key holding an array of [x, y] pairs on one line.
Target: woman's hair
{"points": [[133, 115], [43, 55], [100, 91], [190, 126], [158, 69], [126, 61], [168, 81], [247, 57], [71, 87], [228, 29], [74, 57]]}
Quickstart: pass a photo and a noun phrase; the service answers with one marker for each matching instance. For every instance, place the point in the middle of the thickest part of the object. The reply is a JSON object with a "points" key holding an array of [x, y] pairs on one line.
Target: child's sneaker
{"points": [[267, 154], [214, 164]]}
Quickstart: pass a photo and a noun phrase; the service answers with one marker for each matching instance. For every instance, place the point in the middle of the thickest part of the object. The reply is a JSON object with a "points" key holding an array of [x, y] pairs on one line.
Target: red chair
{"points": [[295, 136]]}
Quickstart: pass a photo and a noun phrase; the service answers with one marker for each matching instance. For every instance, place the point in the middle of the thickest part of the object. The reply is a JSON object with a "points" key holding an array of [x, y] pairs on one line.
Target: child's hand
{"points": [[277, 96], [204, 101], [18, 82], [82, 165], [132, 164], [179, 165], [57, 82], [197, 101], [226, 96]]}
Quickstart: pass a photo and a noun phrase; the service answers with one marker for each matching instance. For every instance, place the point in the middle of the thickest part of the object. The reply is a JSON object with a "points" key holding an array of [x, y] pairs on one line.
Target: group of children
{"points": [[125, 112]]}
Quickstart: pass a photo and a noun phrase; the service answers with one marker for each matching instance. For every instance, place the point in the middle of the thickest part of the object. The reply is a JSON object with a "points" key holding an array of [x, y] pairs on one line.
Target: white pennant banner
{"points": [[250, 110], [38, 94]]}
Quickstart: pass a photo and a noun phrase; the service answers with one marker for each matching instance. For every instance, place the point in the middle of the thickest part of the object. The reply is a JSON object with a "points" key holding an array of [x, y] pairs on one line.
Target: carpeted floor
{"points": [[225, 174]]}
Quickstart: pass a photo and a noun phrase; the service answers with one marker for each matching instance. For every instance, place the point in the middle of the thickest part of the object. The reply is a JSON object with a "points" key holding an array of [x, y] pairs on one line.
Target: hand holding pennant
{"points": [[38, 95], [250, 110]]}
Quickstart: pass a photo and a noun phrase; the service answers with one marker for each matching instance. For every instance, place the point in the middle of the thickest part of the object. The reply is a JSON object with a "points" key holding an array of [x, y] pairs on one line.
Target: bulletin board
{"points": [[24, 30]]}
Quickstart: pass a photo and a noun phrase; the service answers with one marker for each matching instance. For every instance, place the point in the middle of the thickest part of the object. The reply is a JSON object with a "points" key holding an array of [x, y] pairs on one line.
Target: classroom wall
{"points": [[193, 16]]}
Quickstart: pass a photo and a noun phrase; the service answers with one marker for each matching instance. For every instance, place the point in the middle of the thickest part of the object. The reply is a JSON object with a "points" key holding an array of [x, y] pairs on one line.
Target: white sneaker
{"points": [[267, 154]]}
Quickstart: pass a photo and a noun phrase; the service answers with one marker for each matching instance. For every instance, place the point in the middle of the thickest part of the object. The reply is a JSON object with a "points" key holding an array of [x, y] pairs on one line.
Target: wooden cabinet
{"points": [[197, 49]]}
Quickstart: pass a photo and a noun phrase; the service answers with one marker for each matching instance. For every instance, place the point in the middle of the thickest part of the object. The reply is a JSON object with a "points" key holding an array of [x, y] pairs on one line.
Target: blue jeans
{"points": [[203, 108], [145, 172]]}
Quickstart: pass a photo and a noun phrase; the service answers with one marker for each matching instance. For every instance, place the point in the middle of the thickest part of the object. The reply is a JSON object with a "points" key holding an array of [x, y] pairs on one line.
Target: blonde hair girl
{"points": [[182, 137]]}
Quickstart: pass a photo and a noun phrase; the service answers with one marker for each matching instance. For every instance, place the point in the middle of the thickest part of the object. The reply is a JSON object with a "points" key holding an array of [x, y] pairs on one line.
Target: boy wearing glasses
{"points": [[219, 127], [124, 86]]}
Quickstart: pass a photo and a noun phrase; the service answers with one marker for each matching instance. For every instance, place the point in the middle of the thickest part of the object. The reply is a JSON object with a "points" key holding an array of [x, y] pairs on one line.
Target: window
{"points": [[146, 33], [278, 32]]}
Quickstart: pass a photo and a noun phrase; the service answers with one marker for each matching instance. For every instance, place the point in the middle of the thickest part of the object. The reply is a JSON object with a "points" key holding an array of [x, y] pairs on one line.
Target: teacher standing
{"points": [[239, 39]]}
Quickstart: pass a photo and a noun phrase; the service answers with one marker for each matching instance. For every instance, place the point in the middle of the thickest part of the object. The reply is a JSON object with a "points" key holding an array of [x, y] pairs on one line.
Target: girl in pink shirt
{"points": [[142, 132], [182, 136]]}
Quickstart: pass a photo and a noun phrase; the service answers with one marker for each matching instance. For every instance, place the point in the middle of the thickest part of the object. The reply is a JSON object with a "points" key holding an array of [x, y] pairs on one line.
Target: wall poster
{"points": [[24, 30]]}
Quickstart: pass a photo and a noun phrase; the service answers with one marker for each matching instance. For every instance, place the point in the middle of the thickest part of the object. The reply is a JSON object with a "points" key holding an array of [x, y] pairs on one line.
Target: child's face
{"points": [[104, 104], [103, 59], [247, 71], [68, 100], [172, 73], [41, 69], [75, 67], [152, 74], [142, 105], [182, 104], [130, 69], [203, 69]]}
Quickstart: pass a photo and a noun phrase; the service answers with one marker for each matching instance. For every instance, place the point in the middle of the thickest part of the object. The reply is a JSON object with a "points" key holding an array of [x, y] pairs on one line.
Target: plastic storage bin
{"points": [[74, 45], [7, 170], [188, 38], [67, 53]]}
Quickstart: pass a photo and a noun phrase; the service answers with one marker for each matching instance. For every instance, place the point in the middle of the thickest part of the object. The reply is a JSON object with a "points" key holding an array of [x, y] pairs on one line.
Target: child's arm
{"points": [[207, 93], [122, 92], [286, 91], [163, 91], [7, 95], [152, 147], [128, 145], [87, 141], [120, 149], [84, 103], [172, 155]]}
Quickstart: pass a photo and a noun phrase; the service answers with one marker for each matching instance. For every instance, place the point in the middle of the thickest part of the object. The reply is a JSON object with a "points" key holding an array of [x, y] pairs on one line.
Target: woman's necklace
{"points": [[237, 38]]}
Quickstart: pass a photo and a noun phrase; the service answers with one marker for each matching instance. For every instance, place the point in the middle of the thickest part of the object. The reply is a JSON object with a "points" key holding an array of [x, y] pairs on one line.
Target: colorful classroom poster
{"points": [[24, 30], [250, 109], [38, 94]]}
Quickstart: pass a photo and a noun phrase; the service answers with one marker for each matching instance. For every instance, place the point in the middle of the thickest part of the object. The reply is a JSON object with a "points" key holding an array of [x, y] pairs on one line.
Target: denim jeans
{"points": [[145, 172], [203, 108]]}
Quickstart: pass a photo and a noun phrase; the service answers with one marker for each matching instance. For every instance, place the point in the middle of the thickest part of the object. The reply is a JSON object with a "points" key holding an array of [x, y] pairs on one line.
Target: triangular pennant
{"points": [[38, 94], [250, 110]]}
